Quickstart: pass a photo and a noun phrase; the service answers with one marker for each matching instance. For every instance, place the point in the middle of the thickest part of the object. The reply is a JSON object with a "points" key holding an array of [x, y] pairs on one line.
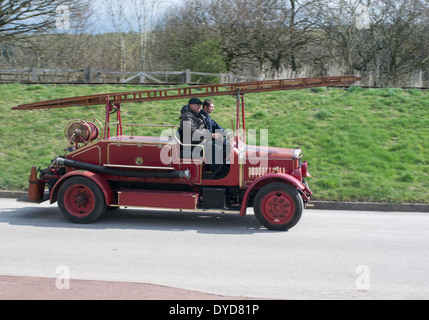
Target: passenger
{"points": [[221, 144], [208, 107]]}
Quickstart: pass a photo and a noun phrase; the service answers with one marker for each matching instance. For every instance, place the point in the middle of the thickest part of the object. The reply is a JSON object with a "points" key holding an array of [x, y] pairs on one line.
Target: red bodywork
{"points": [[122, 152]]}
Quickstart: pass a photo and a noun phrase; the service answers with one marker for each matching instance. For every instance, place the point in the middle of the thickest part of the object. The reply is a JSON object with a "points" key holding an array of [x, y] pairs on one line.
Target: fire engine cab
{"points": [[108, 166]]}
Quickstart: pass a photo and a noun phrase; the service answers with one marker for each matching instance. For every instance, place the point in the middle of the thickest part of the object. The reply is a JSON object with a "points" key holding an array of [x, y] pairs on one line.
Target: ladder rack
{"points": [[191, 92]]}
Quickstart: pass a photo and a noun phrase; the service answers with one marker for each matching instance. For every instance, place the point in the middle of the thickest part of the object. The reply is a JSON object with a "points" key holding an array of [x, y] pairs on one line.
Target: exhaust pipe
{"points": [[61, 162]]}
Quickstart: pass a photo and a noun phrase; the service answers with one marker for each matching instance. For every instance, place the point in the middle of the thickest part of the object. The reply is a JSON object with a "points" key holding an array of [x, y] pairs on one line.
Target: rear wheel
{"points": [[278, 206], [81, 200]]}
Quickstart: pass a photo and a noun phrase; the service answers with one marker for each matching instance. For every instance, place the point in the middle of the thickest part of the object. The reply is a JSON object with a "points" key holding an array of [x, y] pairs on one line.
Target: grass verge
{"points": [[361, 144]]}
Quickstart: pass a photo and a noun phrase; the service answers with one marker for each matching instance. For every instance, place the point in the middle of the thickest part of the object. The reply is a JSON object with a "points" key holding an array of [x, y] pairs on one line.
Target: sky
{"points": [[107, 12]]}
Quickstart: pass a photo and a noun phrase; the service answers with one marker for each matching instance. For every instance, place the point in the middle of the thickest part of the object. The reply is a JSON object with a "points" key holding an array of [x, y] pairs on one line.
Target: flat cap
{"points": [[195, 101]]}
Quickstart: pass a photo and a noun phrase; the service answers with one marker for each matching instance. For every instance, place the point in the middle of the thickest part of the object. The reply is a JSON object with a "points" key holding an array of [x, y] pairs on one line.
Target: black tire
{"points": [[278, 206], [81, 200]]}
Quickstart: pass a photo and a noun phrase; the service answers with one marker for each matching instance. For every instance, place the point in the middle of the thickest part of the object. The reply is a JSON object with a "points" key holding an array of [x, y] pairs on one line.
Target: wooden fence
{"points": [[417, 79], [92, 76]]}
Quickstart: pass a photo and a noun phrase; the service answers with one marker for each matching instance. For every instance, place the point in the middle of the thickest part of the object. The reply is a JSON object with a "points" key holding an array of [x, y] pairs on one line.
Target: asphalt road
{"points": [[328, 255]]}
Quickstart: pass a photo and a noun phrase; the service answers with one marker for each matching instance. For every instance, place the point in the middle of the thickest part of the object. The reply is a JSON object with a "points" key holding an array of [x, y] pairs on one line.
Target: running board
{"points": [[158, 199]]}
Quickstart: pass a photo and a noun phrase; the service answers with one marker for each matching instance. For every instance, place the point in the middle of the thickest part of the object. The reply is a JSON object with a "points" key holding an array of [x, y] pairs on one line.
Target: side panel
{"points": [[90, 154], [100, 181], [158, 199], [138, 154]]}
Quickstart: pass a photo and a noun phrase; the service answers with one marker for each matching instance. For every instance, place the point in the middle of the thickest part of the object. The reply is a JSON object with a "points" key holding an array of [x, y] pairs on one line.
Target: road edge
{"points": [[317, 205], [369, 206]]}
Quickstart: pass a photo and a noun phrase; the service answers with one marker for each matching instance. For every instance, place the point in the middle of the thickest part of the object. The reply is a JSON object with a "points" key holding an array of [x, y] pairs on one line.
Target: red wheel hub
{"points": [[79, 200], [278, 207]]}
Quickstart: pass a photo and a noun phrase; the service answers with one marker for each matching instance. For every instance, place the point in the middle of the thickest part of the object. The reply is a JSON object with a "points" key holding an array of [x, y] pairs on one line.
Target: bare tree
{"points": [[144, 12], [22, 18], [117, 14], [347, 44], [267, 38], [298, 33], [264, 36], [391, 45], [405, 38], [250, 32]]}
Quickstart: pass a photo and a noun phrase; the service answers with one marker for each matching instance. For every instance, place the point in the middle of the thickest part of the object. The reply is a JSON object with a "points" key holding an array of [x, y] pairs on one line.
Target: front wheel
{"points": [[278, 206], [81, 200]]}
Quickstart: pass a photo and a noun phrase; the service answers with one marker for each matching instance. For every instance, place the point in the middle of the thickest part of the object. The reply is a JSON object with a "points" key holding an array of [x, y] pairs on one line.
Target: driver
{"points": [[198, 124]]}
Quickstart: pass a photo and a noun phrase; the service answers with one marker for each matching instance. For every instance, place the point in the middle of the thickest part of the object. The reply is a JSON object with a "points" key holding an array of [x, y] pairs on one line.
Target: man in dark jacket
{"points": [[193, 125]]}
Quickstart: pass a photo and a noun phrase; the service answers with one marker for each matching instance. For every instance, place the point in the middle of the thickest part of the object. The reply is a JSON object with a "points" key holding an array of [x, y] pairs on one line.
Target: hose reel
{"points": [[83, 131]]}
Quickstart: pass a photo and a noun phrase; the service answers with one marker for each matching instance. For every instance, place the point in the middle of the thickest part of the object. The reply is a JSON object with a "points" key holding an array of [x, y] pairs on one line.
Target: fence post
{"points": [[34, 74], [231, 77], [188, 76], [87, 74]]}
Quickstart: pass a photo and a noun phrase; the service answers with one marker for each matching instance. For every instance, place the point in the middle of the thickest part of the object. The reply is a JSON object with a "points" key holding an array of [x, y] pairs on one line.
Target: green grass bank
{"points": [[361, 144]]}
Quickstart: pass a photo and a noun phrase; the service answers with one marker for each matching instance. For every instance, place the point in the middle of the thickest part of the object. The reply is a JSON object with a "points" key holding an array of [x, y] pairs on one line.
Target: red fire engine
{"points": [[102, 170]]}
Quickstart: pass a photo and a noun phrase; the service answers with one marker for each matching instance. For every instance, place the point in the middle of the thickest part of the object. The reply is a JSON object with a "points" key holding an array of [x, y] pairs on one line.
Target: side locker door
{"points": [[140, 154]]}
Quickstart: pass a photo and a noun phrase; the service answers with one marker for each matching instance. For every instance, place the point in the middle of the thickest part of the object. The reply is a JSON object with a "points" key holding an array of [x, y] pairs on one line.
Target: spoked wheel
{"points": [[81, 200], [278, 206]]}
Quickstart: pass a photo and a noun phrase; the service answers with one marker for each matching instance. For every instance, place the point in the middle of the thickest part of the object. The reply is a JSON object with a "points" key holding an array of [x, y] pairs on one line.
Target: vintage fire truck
{"points": [[101, 170]]}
